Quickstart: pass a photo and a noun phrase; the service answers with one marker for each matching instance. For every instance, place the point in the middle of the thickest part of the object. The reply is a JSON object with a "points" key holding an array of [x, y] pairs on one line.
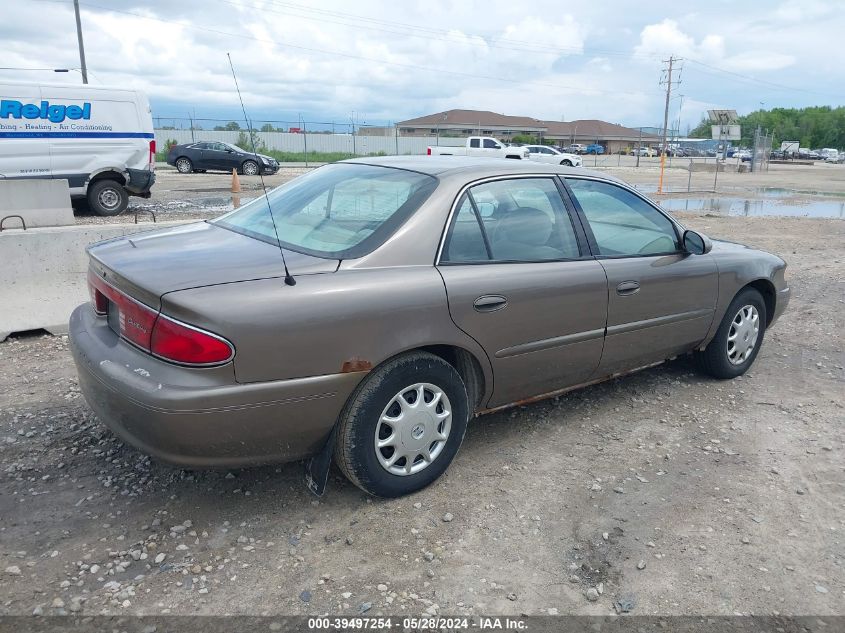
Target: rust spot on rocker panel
{"points": [[355, 364]]}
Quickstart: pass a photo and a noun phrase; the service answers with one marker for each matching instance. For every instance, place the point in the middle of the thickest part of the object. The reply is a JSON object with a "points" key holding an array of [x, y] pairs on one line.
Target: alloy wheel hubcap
{"points": [[183, 166], [742, 337], [250, 169], [413, 429]]}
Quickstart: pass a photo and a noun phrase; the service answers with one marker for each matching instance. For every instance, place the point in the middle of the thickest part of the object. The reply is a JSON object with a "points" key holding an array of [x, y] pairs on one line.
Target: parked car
{"points": [[595, 148], [480, 146], [546, 154], [417, 293], [644, 151], [575, 148], [216, 155], [742, 154], [99, 139]]}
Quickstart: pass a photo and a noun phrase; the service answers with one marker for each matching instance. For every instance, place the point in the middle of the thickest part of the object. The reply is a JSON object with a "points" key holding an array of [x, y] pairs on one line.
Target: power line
{"points": [[440, 71], [428, 33]]}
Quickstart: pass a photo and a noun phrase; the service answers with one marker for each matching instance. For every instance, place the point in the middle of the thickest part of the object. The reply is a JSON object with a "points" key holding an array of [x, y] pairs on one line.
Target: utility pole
{"points": [[83, 67], [668, 83]]}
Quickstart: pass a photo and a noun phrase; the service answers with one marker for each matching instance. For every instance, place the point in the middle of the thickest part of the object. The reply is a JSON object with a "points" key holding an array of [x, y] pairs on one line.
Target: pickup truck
{"points": [[481, 146]]}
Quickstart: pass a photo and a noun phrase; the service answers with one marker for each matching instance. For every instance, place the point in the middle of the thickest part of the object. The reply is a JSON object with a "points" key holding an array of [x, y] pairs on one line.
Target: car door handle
{"points": [[489, 303], [628, 288]]}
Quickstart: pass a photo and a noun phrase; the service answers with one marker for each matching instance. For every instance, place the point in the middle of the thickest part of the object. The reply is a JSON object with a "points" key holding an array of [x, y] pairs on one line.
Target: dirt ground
{"points": [[667, 492]]}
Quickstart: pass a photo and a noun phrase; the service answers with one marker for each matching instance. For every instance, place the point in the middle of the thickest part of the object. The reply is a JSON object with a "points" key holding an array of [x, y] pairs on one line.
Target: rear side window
{"points": [[515, 220], [622, 223], [473, 142]]}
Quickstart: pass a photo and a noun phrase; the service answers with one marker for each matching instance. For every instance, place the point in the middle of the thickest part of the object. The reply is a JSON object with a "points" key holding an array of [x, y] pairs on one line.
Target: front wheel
{"points": [[738, 339], [403, 425], [250, 168], [107, 197], [566, 163]]}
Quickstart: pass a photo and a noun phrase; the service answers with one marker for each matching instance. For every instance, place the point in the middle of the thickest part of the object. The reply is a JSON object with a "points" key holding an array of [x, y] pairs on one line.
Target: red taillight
{"points": [[152, 155], [428, 151], [181, 343], [156, 333], [98, 299]]}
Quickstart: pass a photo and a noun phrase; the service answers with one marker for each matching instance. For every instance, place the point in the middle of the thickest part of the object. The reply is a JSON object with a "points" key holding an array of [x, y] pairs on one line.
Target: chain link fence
{"points": [[297, 141]]}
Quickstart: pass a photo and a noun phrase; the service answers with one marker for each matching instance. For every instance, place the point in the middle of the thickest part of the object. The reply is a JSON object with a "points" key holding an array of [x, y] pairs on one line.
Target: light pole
{"points": [[84, 68]]}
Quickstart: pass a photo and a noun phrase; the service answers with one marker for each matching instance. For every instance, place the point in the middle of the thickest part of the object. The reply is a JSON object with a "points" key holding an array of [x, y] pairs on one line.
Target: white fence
{"points": [[313, 142]]}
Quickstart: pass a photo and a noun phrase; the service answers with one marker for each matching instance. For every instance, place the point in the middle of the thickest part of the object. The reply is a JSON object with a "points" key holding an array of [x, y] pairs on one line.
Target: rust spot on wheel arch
{"points": [[355, 364]]}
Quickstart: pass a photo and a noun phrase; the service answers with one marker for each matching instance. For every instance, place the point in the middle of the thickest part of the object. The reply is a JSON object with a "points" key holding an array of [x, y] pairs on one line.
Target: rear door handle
{"points": [[489, 303], [628, 288]]}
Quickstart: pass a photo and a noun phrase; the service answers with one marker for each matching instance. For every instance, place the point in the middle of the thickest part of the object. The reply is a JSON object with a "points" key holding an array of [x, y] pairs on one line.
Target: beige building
{"points": [[459, 123]]}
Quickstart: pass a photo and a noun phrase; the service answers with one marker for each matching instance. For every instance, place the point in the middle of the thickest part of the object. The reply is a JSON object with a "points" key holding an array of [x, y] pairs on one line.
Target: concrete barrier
{"points": [[40, 202], [43, 273]]}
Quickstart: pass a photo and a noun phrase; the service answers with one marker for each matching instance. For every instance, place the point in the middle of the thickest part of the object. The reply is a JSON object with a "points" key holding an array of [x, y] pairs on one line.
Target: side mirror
{"points": [[696, 243]]}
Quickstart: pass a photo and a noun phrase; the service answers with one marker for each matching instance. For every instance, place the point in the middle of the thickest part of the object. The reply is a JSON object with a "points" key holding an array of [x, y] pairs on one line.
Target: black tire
{"points": [[355, 450], [566, 162], [184, 165], [250, 168], [715, 360], [107, 197]]}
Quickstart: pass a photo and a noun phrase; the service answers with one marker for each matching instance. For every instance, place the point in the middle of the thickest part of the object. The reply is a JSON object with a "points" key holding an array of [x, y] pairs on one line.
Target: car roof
{"points": [[472, 167]]}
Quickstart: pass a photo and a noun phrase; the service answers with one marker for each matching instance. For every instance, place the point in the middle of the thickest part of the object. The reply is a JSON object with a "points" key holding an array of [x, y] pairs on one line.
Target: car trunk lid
{"points": [[148, 265]]}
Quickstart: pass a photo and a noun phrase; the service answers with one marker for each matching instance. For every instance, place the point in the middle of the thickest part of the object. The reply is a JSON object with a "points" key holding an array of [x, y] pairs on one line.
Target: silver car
{"points": [[369, 309]]}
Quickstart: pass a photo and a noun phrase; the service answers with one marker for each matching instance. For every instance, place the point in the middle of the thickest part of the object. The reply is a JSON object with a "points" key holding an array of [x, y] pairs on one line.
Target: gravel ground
{"points": [[664, 492]]}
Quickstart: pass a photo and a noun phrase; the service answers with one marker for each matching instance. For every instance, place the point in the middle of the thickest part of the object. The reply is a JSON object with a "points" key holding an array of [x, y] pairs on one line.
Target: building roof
{"points": [[594, 128], [474, 118], [583, 128]]}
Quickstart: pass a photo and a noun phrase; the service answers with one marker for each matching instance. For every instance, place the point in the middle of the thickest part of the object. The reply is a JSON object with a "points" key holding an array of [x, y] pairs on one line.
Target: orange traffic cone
{"points": [[236, 182]]}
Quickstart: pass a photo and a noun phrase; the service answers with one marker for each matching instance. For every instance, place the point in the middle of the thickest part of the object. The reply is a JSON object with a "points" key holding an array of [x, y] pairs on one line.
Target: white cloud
{"points": [[398, 60]]}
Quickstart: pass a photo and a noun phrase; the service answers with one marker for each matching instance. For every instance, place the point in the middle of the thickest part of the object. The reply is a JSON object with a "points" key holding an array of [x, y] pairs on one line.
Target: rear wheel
{"points": [[403, 426], [107, 197], [738, 339], [184, 165], [250, 168]]}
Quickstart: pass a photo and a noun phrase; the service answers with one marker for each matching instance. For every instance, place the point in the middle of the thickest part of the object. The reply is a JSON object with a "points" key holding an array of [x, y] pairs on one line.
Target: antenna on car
{"points": [[289, 280]]}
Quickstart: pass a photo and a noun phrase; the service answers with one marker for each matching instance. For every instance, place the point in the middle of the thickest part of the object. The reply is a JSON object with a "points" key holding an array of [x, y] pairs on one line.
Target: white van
{"points": [[100, 140]]}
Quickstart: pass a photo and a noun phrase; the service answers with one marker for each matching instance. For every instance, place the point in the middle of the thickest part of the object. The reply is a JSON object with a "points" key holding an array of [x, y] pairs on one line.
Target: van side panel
{"points": [[22, 156], [79, 132]]}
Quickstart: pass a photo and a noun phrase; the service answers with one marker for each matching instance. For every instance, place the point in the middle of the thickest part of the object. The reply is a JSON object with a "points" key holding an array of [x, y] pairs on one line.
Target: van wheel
{"points": [[184, 165], [402, 426], [107, 197]]}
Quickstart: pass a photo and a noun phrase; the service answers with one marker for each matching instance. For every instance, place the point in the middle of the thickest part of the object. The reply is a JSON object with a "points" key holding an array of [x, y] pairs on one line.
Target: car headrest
{"points": [[525, 225]]}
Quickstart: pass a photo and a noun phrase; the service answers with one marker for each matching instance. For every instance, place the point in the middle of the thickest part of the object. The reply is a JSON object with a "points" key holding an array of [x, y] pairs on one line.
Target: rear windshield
{"points": [[339, 211]]}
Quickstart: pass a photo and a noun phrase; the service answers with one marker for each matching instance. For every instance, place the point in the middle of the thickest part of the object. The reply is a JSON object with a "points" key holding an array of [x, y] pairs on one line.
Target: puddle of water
{"points": [[762, 192], [770, 206]]}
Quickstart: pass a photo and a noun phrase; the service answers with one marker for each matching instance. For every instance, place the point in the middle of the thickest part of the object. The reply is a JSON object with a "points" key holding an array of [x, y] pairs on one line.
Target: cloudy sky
{"points": [[388, 61]]}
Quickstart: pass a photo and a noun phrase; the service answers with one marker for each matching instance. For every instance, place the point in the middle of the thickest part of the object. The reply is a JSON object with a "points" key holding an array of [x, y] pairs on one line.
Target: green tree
{"points": [[231, 126], [245, 141], [813, 127]]}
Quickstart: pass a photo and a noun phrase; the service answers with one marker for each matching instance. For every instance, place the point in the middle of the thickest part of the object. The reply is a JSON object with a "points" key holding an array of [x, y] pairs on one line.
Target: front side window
{"points": [[338, 211], [516, 220], [622, 223], [490, 144]]}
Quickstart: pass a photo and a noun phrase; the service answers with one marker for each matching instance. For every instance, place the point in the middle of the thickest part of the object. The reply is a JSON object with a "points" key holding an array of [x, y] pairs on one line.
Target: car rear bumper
{"points": [[201, 418]]}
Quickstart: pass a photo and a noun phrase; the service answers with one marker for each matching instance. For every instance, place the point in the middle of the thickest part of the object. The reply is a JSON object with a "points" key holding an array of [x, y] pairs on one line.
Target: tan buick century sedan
{"points": [[421, 291]]}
